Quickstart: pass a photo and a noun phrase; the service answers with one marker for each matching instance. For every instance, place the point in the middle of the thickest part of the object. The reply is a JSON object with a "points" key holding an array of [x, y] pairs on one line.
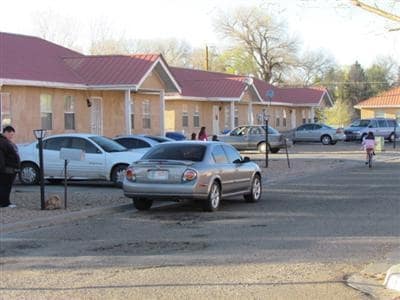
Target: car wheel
{"points": [[391, 138], [142, 203], [275, 150], [29, 173], [262, 147], [255, 193], [117, 174], [214, 198], [326, 139]]}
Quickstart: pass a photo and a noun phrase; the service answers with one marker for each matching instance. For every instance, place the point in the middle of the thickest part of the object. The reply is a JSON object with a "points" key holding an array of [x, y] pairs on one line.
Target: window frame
{"points": [[45, 111]]}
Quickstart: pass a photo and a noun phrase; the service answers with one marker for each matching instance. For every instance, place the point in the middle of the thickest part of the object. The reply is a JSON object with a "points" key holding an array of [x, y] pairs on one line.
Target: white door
{"points": [[293, 118], [96, 116], [215, 128]]}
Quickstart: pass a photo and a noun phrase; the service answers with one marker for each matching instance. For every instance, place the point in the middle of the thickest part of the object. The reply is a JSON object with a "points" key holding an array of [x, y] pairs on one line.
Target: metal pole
{"points": [[266, 142], [287, 154], [65, 183], [42, 203], [394, 140]]}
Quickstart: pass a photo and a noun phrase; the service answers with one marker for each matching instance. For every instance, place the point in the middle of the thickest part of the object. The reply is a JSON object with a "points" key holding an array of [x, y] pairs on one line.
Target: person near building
{"points": [[202, 134], [9, 165]]}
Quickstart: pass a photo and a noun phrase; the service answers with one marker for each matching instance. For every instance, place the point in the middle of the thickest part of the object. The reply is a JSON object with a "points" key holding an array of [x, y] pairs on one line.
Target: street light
{"points": [[39, 135]]}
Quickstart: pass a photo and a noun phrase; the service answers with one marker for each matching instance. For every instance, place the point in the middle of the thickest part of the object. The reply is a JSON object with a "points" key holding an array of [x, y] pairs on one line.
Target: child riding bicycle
{"points": [[369, 145]]}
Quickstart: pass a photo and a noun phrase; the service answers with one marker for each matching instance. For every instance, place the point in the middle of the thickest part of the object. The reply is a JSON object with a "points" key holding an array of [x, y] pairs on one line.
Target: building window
{"points": [[236, 117], [303, 116], [185, 116], [379, 114], [5, 110], [284, 123], [132, 114], [196, 117], [69, 112], [146, 114], [46, 112], [277, 118]]}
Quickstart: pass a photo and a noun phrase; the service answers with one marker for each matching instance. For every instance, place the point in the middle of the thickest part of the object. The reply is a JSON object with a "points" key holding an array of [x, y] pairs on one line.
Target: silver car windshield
{"points": [[174, 151], [107, 144]]}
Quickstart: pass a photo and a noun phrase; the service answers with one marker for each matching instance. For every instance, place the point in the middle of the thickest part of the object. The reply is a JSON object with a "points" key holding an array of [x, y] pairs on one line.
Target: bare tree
{"points": [[104, 40], [59, 29], [176, 52], [310, 68], [262, 37]]}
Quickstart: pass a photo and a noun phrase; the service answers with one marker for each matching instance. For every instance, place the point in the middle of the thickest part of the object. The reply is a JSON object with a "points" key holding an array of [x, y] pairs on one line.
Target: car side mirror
{"points": [[369, 126], [246, 159]]}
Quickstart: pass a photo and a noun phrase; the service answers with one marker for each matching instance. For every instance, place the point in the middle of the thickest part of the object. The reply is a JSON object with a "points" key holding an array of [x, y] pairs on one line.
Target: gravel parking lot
{"points": [[305, 159]]}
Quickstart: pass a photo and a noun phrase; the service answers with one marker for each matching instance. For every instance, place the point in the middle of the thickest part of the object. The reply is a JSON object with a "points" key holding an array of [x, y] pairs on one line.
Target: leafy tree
{"points": [[377, 78], [339, 114], [236, 61], [356, 87], [262, 38]]}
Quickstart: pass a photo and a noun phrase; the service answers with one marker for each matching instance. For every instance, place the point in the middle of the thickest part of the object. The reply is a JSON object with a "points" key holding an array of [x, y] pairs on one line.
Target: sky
{"points": [[336, 27]]}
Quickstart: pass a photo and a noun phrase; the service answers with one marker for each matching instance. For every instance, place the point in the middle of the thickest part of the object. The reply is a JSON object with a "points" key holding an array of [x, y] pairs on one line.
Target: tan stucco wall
{"points": [[371, 112], [153, 81]]}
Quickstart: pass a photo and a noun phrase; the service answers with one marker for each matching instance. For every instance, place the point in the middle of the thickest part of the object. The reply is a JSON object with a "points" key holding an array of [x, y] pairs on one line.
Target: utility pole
{"points": [[207, 67]]}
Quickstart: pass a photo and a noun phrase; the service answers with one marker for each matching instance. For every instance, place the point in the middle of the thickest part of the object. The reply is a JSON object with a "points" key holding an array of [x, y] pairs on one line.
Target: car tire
{"points": [[256, 189], [142, 203], [275, 150], [262, 147], [117, 174], [326, 140], [214, 198], [29, 173], [391, 137]]}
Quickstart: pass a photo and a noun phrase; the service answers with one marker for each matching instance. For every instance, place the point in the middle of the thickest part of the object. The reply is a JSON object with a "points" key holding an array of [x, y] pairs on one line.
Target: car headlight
{"points": [[130, 174], [189, 175]]}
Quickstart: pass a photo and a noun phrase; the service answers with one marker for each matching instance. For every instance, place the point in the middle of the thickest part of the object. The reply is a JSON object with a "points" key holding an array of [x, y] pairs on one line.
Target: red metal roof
{"points": [[387, 98], [112, 69], [199, 83], [299, 95], [31, 58]]}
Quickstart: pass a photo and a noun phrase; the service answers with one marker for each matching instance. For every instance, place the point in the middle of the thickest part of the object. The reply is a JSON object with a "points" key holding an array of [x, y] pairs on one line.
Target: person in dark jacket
{"points": [[9, 164]]}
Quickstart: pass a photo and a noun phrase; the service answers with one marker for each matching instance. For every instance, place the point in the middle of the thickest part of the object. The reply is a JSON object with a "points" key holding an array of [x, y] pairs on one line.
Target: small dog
{"points": [[53, 202]]}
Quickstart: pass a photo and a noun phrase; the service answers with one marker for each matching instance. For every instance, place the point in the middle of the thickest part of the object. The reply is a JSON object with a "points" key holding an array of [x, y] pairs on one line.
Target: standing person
{"points": [[193, 136], [368, 145], [203, 134], [9, 164]]}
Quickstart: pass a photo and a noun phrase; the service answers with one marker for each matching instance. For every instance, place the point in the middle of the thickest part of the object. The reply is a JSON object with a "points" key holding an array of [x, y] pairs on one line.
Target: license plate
{"points": [[157, 174]]}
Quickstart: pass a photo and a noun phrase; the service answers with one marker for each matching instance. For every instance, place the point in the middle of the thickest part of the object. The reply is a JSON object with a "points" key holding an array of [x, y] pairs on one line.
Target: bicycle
{"points": [[370, 153]]}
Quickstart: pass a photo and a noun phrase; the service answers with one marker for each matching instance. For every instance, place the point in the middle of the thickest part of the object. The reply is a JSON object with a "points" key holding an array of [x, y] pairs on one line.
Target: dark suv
{"points": [[379, 126]]}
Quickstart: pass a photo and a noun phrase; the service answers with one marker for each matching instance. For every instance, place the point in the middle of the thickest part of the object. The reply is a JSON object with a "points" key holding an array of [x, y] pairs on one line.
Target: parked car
{"points": [[207, 171], [177, 136], [359, 129], [135, 141], [104, 159], [252, 137], [313, 132], [157, 138]]}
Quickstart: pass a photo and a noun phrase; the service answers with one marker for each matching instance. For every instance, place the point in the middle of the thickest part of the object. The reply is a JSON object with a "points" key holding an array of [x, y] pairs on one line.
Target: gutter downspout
{"points": [[128, 121], [162, 112], [232, 111]]}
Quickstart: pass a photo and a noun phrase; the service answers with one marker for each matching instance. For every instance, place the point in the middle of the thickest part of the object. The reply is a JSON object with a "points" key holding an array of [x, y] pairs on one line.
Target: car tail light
{"points": [[189, 175], [339, 130], [130, 174]]}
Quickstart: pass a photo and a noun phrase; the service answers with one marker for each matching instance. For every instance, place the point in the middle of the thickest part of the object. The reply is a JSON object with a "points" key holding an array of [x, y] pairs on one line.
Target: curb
{"points": [[392, 279], [62, 218], [73, 216]]}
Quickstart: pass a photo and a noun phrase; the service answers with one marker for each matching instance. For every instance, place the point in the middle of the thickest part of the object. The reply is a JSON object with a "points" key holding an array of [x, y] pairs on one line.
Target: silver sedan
{"points": [[207, 171]]}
